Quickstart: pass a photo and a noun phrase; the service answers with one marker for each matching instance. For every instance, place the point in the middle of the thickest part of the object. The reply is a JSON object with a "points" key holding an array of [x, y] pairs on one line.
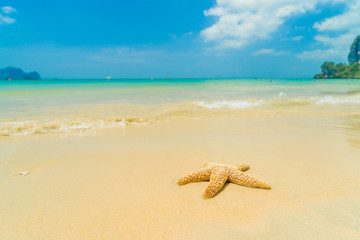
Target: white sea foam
{"points": [[38, 125], [281, 94], [232, 104], [18, 128], [327, 99]]}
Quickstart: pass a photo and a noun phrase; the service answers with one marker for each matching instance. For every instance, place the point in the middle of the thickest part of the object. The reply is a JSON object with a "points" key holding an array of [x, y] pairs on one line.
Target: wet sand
{"points": [[121, 183]]}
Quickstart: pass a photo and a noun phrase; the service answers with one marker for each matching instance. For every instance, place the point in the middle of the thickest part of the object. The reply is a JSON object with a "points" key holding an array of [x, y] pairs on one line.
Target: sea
{"points": [[79, 105]]}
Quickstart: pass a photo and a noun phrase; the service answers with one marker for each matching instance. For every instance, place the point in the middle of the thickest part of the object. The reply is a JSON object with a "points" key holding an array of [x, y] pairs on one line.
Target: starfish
{"points": [[218, 174]]}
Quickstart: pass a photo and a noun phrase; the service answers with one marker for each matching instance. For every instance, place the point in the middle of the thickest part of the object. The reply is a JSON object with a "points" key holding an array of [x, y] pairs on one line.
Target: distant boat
{"points": [[108, 77]]}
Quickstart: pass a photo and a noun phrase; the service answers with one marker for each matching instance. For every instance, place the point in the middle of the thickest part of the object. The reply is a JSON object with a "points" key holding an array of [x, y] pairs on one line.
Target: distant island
{"points": [[342, 70], [12, 73]]}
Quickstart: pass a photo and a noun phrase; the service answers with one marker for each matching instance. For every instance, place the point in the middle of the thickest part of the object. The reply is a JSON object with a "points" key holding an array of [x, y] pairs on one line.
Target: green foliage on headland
{"points": [[342, 70], [12, 73]]}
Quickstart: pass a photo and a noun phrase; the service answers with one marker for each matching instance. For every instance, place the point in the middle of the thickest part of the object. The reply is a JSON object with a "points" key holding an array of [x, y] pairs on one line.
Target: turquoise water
{"points": [[142, 91], [101, 101]]}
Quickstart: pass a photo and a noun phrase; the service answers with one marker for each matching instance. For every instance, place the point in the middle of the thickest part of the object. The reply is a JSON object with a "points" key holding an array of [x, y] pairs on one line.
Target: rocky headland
{"points": [[342, 70], [12, 73]]}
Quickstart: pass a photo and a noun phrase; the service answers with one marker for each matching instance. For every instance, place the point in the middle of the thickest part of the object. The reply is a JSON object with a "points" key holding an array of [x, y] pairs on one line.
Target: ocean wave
{"points": [[281, 100], [18, 128], [329, 99], [117, 116], [317, 100], [232, 104], [96, 118]]}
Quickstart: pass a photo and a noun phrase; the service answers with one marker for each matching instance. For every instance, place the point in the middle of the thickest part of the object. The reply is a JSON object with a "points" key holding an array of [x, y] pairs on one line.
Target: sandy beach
{"points": [[121, 183]]}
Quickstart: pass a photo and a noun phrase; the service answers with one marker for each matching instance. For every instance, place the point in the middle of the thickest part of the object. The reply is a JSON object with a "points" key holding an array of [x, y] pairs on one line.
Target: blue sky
{"points": [[176, 38]]}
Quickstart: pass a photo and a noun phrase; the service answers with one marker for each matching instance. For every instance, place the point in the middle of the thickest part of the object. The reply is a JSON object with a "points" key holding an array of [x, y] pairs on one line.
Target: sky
{"points": [[176, 38]]}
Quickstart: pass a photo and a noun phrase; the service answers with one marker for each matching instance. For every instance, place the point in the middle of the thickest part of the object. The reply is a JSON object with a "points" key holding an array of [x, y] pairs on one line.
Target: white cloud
{"points": [[297, 38], [242, 21], [8, 9], [4, 19], [239, 22], [335, 34], [125, 54], [320, 54], [267, 51], [172, 35], [188, 33]]}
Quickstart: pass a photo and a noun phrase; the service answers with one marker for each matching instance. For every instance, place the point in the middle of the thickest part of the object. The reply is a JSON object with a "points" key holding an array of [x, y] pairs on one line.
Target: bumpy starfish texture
{"points": [[218, 174]]}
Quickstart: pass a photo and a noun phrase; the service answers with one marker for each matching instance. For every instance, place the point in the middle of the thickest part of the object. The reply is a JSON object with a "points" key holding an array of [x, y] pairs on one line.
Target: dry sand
{"points": [[121, 184]]}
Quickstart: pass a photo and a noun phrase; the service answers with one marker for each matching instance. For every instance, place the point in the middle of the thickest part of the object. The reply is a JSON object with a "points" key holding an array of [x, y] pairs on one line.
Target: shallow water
{"points": [[33, 107]]}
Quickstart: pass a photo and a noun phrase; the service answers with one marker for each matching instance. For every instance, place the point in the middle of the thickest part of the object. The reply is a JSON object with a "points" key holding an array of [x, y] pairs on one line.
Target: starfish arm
{"points": [[242, 166], [241, 178], [219, 176], [202, 174]]}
